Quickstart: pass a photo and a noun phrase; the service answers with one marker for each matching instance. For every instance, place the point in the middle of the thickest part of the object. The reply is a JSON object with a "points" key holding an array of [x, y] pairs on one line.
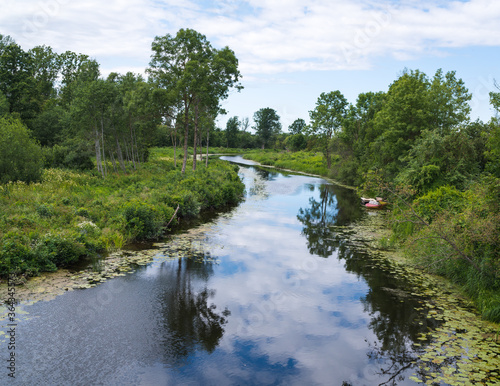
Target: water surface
{"points": [[265, 294]]}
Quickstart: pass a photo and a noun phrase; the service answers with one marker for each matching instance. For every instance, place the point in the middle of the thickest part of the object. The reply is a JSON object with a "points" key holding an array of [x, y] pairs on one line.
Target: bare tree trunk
{"points": [[208, 136], [113, 161], [120, 155], [186, 133], [195, 139], [132, 145], [98, 152], [103, 152], [175, 145]]}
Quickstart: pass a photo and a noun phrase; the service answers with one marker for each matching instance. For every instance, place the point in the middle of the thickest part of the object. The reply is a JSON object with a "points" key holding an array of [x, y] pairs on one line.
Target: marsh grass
{"points": [[302, 161], [71, 215]]}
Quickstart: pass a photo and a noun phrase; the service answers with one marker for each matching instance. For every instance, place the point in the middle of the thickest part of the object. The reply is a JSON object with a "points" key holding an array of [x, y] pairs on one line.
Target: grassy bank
{"points": [[71, 215], [302, 161]]}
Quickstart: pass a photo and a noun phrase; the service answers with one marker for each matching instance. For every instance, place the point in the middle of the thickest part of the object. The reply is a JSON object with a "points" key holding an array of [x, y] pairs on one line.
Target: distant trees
{"points": [[267, 125]]}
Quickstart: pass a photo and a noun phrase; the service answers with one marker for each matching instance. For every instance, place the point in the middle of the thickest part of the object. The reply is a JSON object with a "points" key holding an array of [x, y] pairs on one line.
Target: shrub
{"points": [[20, 155], [142, 221]]}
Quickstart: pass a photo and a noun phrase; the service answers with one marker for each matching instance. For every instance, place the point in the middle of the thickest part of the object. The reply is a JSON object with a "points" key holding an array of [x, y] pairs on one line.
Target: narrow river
{"points": [[265, 294]]}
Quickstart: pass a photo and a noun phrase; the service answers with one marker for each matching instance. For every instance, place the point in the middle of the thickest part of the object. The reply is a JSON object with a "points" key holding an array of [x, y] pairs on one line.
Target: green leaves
{"points": [[20, 156], [267, 125]]}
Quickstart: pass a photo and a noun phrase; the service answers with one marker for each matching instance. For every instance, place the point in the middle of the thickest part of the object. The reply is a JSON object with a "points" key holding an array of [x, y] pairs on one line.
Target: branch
{"points": [[173, 215]]}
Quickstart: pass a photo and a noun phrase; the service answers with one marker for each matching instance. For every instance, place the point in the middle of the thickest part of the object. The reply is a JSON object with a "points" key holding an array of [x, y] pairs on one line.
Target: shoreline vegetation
{"points": [[383, 236], [73, 215]]}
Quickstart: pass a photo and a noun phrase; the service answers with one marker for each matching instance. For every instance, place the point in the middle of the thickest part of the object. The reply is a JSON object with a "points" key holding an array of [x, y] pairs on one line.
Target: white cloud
{"points": [[267, 36]]}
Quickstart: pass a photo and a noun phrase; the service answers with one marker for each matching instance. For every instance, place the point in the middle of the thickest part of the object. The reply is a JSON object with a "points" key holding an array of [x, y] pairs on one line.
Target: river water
{"points": [[267, 293]]}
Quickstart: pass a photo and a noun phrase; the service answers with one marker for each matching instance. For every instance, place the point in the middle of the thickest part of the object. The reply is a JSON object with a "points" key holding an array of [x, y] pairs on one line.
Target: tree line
{"points": [[417, 145], [61, 112]]}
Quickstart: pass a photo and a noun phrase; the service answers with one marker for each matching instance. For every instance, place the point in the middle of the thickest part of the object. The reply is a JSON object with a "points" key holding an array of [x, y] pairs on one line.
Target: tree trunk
{"points": [[132, 144], [186, 133], [103, 153], [195, 139], [208, 136], [98, 152], [120, 156]]}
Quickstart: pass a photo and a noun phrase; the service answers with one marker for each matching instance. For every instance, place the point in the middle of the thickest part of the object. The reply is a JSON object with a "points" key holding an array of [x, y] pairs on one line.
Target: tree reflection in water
{"points": [[191, 320], [334, 208], [392, 309]]}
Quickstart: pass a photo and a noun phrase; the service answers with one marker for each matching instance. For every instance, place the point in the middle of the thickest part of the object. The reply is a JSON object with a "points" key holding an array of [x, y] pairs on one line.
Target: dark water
{"points": [[269, 294]]}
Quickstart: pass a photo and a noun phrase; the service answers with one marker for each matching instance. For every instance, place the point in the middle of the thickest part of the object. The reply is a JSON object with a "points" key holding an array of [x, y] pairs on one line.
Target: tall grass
{"points": [[70, 215], [307, 162]]}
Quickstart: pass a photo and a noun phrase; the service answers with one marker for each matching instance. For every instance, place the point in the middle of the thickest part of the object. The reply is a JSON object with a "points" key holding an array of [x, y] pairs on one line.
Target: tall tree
{"points": [[195, 73], [327, 118], [178, 65], [232, 128], [16, 80], [267, 125], [413, 104]]}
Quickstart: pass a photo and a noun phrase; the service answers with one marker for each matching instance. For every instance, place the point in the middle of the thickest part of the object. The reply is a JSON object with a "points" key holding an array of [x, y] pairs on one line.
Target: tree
{"points": [[20, 155], [297, 127], [232, 129], [16, 80], [414, 104], [4, 105], [492, 152], [197, 75], [327, 118], [267, 125]]}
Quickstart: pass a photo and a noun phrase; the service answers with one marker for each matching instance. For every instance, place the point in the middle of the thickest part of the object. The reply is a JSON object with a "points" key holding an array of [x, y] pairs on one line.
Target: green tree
{"points": [[436, 160], [196, 74], [327, 118], [232, 129], [413, 104], [4, 105], [16, 80], [267, 125], [492, 152], [297, 127], [20, 156]]}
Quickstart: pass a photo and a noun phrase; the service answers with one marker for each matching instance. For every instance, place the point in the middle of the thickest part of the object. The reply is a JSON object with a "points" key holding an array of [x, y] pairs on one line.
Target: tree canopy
{"points": [[267, 125]]}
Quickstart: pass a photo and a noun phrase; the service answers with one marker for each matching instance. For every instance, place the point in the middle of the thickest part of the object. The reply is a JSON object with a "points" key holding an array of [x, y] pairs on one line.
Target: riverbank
{"points": [[72, 216]]}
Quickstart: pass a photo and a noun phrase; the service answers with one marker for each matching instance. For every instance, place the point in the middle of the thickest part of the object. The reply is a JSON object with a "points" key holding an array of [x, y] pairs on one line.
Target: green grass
{"points": [[302, 161], [70, 215]]}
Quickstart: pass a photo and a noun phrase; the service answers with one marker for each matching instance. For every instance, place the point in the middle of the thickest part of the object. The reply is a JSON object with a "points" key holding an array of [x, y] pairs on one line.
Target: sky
{"points": [[289, 51]]}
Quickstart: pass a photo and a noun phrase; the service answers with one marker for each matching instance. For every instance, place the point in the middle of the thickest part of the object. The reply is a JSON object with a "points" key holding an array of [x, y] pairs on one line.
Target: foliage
{"points": [[296, 142], [194, 75], [267, 125], [20, 155], [436, 160], [302, 161], [70, 215], [327, 118], [297, 127], [232, 128], [456, 234]]}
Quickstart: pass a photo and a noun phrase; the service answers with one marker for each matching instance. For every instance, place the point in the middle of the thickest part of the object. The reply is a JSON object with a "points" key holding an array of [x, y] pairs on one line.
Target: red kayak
{"points": [[370, 205]]}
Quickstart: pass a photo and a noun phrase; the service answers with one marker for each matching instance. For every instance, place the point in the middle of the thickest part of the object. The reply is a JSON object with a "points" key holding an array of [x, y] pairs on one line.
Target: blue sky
{"points": [[290, 51]]}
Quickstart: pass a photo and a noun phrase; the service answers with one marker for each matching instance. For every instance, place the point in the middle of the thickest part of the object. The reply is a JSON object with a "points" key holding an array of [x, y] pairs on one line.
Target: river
{"points": [[267, 293]]}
